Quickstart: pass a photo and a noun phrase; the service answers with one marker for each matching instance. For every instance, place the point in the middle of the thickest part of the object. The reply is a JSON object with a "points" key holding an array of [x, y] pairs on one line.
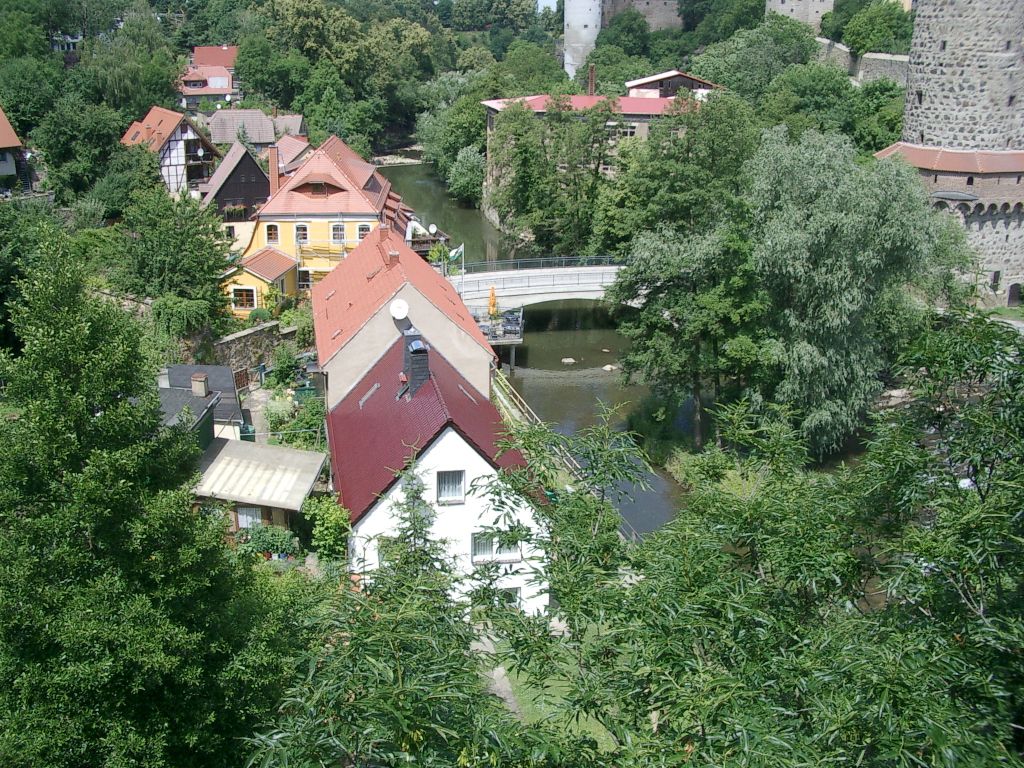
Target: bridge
{"points": [[521, 282]]}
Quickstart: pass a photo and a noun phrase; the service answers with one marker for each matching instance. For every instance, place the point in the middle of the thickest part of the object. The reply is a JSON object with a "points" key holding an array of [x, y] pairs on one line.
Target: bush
{"points": [[466, 176], [267, 538], [260, 315], [882, 27], [330, 527], [301, 317], [278, 412], [285, 366]]}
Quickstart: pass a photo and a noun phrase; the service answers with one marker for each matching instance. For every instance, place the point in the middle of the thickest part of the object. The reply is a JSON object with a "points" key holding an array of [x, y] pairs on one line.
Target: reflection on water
{"points": [[569, 396]]}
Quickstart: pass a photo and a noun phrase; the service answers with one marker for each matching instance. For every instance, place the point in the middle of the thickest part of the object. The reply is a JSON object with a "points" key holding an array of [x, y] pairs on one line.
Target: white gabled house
{"points": [[185, 155], [413, 403]]}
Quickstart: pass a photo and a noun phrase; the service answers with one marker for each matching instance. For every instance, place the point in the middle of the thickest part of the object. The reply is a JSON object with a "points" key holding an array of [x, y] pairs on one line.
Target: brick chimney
{"points": [[416, 367], [200, 385], [274, 170], [591, 81]]}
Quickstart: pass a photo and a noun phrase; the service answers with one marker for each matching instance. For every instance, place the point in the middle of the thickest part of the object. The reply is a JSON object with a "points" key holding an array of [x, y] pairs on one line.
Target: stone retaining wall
{"points": [[247, 349], [864, 69]]}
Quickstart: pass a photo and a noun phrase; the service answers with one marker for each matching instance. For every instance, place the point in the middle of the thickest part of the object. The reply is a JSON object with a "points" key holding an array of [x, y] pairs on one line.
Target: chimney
{"points": [[591, 81], [200, 385], [416, 366], [274, 170]]}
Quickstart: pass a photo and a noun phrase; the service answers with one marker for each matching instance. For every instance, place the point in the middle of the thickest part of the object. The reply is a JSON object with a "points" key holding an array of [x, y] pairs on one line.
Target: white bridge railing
{"points": [[531, 286]]}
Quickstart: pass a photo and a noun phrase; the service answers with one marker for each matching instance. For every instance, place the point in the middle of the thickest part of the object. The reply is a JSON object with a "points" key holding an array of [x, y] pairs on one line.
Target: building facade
{"points": [[807, 11], [964, 128], [185, 155], [584, 19]]}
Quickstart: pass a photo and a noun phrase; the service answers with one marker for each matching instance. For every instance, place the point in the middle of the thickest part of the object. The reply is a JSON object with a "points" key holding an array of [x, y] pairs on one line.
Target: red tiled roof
{"points": [[268, 263], [154, 129], [955, 160], [215, 55], [289, 147], [353, 292], [8, 138], [626, 105], [206, 74], [372, 434]]}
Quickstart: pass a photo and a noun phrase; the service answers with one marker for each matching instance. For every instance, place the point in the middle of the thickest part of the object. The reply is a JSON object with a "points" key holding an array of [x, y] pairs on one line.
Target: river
{"points": [[567, 396]]}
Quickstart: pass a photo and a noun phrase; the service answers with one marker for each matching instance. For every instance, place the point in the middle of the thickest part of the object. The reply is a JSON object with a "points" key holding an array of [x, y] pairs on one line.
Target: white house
{"points": [[413, 403], [186, 156]]}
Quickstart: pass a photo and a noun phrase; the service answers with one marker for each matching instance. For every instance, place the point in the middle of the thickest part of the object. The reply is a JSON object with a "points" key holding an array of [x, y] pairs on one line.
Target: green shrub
{"points": [[267, 538], [260, 315], [330, 527], [285, 366], [278, 412]]}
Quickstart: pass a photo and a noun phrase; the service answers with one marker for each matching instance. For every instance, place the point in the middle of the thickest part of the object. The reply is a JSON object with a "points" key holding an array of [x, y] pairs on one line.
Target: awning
{"points": [[258, 474]]}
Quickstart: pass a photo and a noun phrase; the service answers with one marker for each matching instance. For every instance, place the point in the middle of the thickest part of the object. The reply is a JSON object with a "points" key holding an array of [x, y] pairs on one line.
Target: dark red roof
{"points": [[215, 55], [372, 434], [627, 105]]}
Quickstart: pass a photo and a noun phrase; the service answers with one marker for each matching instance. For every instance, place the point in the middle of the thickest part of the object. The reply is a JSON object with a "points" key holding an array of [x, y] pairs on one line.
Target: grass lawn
{"points": [[535, 710]]}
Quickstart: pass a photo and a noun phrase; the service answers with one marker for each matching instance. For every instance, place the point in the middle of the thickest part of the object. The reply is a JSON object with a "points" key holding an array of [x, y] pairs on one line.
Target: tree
{"points": [[77, 140], [726, 17], [466, 176], [128, 633], [628, 31], [470, 14], [882, 26], [877, 115], [265, 70], [833, 22], [811, 96], [749, 60], [173, 247], [475, 57], [28, 90], [612, 68], [130, 170]]}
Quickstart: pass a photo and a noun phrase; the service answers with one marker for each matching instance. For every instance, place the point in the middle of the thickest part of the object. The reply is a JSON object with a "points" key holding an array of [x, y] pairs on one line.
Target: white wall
{"points": [[7, 166], [581, 26], [352, 362], [455, 523]]}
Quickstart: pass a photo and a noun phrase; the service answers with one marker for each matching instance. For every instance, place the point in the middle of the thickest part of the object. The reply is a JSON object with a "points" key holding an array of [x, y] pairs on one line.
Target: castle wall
{"points": [[998, 237], [807, 11], [966, 65], [864, 69], [660, 14], [581, 26]]}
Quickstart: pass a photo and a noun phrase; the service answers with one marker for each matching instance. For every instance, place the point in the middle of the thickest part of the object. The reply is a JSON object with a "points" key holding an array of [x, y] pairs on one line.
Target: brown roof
{"points": [[215, 55], [227, 165], [955, 160], [154, 129], [225, 124], [372, 433], [639, 83], [268, 263], [8, 138], [353, 292]]}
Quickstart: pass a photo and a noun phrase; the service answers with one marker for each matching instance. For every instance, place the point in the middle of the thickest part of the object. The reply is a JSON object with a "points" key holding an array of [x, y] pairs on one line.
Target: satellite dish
{"points": [[432, 229], [399, 309]]}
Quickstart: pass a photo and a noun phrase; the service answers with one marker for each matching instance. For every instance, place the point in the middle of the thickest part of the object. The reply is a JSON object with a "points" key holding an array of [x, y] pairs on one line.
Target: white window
{"points": [[229, 231], [486, 547], [364, 230], [305, 279], [243, 298], [249, 516], [451, 487], [337, 233], [301, 233], [509, 596], [272, 233]]}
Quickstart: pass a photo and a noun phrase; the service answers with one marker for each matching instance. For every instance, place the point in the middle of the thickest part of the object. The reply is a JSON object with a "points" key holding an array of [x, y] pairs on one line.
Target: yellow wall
{"points": [[320, 248], [242, 279]]}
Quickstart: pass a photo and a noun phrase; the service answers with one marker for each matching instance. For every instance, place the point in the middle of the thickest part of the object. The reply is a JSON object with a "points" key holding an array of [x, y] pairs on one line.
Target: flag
{"points": [[457, 253]]}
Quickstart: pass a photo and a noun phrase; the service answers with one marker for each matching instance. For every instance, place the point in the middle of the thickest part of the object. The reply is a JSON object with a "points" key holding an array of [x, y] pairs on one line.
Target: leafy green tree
{"points": [[20, 34], [330, 527], [749, 60], [128, 633], [726, 17], [173, 247], [687, 174], [265, 70], [882, 26], [466, 176], [130, 170], [475, 57], [28, 90], [470, 14], [77, 140], [629, 31], [613, 67], [877, 115], [833, 22], [22, 228], [811, 96], [528, 68], [396, 680]]}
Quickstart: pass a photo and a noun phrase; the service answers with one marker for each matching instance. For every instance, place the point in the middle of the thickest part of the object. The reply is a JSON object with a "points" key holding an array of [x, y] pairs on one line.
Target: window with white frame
{"points": [[249, 516], [305, 279], [243, 298], [273, 234], [451, 486], [364, 230], [509, 596], [301, 233], [337, 233], [487, 547]]}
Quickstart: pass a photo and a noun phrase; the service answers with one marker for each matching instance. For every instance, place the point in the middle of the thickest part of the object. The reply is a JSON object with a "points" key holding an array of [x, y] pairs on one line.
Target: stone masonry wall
{"points": [[660, 14], [247, 349], [864, 69], [966, 65], [807, 11], [998, 237]]}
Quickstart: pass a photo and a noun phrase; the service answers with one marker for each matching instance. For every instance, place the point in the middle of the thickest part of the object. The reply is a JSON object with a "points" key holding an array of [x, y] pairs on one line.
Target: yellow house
{"points": [[315, 217], [250, 283]]}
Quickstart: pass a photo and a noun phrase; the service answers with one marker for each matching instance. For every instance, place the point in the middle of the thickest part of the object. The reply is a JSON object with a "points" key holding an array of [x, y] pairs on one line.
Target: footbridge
{"points": [[522, 282]]}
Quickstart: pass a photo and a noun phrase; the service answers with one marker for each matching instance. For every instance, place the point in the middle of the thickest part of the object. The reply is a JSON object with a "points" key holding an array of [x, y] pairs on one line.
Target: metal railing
{"points": [[545, 262]]}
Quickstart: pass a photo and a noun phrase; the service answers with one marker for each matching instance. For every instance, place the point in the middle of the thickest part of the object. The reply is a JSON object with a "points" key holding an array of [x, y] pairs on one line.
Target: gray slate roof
{"points": [[293, 124], [174, 401], [224, 125], [219, 378], [255, 473]]}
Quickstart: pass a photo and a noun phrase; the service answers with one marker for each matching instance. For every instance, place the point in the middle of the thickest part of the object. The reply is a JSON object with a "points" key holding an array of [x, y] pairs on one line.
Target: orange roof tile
{"points": [[215, 55], [268, 263], [289, 148], [8, 138], [626, 105], [956, 160], [154, 129], [353, 292]]}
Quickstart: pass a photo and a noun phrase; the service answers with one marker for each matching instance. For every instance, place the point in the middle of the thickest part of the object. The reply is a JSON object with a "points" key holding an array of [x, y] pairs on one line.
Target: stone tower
{"points": [[584, 19], [966, 67], [807, 11], [963, 128]]}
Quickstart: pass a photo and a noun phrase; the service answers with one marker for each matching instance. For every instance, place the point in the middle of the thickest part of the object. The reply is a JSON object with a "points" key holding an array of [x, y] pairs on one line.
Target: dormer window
{"points": [[318, 189]]}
